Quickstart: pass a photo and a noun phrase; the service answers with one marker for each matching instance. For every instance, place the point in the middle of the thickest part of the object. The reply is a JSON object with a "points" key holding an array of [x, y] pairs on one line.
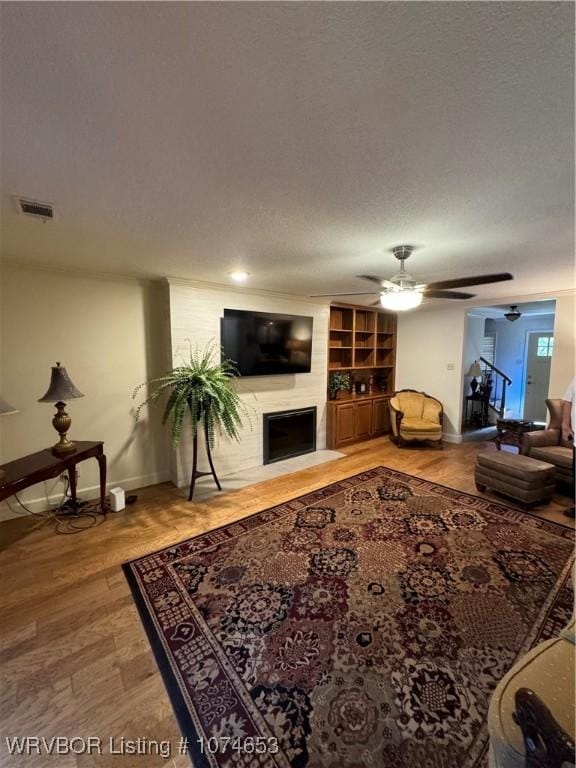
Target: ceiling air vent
{"points": [[39, 210]]}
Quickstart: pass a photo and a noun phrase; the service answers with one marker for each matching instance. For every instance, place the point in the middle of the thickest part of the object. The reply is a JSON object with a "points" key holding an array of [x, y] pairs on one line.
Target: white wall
{"points": [[108, 333], [429, 358], [195, 312], [473, 339]]}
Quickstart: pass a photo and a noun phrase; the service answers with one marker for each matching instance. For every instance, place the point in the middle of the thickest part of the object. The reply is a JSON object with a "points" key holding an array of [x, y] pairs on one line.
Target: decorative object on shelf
{"points": [[338, 382], [513, 313], [202, 388], [380, 383], [61, 389], [5, 410], [474, 372]]}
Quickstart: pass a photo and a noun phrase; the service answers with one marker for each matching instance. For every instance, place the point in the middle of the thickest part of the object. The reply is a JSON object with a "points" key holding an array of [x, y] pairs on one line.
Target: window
{"points": [[488, 350], [544, 346]]}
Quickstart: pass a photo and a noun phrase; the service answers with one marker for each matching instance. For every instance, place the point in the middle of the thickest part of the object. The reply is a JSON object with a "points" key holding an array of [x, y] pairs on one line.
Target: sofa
{"points": [[532, 711], [548, 445], [415, 416]]}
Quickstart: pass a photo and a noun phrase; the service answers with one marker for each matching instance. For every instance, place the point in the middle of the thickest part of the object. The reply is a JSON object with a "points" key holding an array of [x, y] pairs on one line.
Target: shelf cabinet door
{"points": [[380, 416], [363, 419], [345, 421]]}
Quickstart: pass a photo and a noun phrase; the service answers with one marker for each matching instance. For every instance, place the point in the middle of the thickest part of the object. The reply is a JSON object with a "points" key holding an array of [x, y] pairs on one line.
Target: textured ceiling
{"points": [[300, 141]]}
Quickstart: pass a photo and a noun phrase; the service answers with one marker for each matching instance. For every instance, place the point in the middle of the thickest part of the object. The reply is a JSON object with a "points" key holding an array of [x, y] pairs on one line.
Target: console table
{"points": [[43, 465]]}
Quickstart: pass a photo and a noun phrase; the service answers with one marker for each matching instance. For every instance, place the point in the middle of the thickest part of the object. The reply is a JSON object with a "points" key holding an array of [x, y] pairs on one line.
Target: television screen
{"points": [[264, 344]]}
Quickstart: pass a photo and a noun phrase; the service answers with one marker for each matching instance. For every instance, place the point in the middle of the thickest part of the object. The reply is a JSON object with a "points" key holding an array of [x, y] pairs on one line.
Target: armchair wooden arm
{"points": [[396, 415]]}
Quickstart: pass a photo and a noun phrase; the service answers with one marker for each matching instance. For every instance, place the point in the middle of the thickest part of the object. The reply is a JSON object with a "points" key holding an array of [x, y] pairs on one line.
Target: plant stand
{"points": [[195, 472]]}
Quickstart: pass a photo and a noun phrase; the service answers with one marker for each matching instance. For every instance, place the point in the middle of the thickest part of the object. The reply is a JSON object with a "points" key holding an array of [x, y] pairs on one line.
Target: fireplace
{"points": [[289, 433]]}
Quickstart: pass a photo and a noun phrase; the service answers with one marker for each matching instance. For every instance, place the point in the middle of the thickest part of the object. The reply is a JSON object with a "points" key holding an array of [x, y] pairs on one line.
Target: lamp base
{"points": [[63, 448], [61, 423]]}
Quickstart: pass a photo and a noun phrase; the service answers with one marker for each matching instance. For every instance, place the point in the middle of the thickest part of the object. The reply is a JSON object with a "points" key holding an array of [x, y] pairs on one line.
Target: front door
{"points": [[538, 358]]}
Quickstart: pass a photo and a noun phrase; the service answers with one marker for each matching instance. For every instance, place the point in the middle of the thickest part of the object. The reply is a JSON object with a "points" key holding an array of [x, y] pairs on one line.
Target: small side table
{"points": [[475, 410], [43, 465], [510, 431]]}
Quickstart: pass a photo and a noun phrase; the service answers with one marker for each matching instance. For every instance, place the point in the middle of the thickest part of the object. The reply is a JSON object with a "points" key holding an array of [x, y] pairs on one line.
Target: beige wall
{"points": [[429, 358], [109, 333], [562, 368]]}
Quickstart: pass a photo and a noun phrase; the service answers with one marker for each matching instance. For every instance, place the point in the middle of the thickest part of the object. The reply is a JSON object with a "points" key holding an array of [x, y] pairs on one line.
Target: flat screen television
{"points": [[266, 344]]}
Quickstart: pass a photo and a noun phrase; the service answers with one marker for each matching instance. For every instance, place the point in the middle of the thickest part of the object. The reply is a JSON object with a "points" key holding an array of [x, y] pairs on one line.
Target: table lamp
{"points": [[5, 410], [61, 389], [475, 370]]}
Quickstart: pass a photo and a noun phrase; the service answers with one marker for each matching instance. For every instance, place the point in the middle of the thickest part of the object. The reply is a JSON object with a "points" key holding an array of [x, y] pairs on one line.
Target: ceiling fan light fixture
{"points": [[400, 301], [513, 313]]}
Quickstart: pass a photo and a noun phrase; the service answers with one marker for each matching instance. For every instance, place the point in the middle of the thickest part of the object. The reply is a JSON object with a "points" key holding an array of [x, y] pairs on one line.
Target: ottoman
{"points": [[527, 480]]}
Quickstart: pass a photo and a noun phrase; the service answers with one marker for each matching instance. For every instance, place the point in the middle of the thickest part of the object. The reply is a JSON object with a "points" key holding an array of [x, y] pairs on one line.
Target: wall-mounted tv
{"points": [[266, 344]]}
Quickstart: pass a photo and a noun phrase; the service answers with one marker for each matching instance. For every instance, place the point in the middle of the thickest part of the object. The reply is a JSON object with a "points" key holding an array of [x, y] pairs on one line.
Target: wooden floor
{"points": [[75, 660]]}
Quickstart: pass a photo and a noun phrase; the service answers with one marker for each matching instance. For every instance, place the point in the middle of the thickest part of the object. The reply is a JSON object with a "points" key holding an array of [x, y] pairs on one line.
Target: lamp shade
{"points": [[61, 387], [6, 408], [475, 369], [513, 313]]}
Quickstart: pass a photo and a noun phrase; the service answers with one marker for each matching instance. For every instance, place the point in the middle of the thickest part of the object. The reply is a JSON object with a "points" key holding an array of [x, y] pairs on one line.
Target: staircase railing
{"points": [[496, 383]]}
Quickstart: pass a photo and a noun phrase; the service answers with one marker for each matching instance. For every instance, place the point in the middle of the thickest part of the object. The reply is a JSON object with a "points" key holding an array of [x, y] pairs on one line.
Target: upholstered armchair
{"points": [[415, 416], [549, 445], [532, 711]]}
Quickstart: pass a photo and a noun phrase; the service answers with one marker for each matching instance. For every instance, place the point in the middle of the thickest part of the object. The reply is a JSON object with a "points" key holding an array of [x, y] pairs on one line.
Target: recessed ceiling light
{"points": [[239, 276]]}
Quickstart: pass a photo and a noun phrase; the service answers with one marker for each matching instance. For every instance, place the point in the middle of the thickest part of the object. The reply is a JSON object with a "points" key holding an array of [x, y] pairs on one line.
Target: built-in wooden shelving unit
{"points": [[361, 338], [362, 342]]}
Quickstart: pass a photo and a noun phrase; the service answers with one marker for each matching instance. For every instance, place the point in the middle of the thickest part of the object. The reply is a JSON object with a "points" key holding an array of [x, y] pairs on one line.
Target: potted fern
{"points": [[338, 382], [203, 388]]}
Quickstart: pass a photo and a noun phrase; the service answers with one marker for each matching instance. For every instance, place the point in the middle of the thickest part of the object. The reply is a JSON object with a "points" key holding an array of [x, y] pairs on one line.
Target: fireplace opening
{"points": [[289, 433]]}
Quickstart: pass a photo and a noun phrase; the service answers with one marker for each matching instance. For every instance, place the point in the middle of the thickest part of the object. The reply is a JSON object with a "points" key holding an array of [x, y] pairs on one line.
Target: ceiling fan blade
{"points": [[380, 281], [462, 282], [372, 278], [435, 294], [322, 295]]}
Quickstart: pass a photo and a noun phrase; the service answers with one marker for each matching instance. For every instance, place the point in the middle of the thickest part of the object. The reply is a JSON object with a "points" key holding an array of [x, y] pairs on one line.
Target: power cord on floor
{"points": [[71, 518]]}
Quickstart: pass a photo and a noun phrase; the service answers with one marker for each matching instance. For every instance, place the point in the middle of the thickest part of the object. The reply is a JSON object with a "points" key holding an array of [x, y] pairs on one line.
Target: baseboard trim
{"points": [[486, 434], [448, 437], [44, 503]]}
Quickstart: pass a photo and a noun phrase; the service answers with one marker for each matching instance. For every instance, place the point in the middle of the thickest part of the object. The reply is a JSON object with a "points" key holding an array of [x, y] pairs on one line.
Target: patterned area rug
{"points": [[364, 624]]}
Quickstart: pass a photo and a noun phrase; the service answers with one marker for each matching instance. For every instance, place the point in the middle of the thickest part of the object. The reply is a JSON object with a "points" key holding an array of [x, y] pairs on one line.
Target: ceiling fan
{"points": [[402, 292]]}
